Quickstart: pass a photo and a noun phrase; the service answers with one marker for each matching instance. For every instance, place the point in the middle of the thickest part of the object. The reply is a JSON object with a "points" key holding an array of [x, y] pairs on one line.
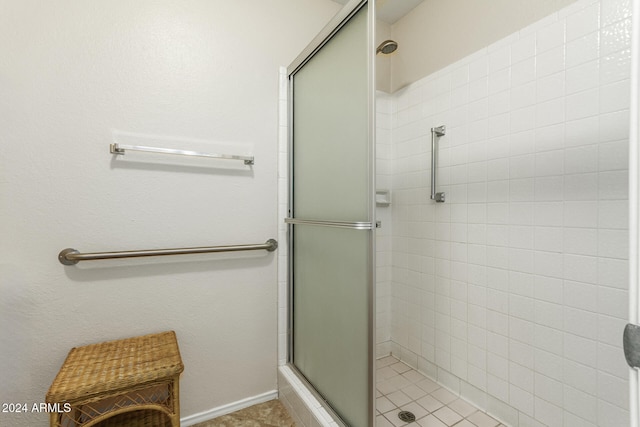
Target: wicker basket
{"points": [[144, 418], [122, 379]]}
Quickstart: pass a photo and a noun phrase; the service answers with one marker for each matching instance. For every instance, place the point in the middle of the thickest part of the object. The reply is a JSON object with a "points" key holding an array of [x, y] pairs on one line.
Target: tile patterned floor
{"points": [[268, 414], [401, 388]]}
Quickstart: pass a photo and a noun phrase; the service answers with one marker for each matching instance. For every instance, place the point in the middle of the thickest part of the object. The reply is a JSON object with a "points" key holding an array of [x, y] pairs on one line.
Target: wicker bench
{"points": [[131, 382]]}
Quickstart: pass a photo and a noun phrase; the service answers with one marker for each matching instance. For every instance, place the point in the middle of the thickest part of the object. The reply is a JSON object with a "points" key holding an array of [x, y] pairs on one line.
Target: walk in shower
{"points": [[512, 292]]}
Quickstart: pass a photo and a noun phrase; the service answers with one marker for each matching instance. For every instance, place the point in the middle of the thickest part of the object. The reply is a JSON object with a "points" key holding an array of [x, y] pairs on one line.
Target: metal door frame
{"points": [[336, 23], [634, 206]]}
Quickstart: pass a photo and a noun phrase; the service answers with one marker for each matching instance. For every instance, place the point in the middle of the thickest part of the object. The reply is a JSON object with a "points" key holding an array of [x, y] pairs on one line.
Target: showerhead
{"points": [[386, 47]]}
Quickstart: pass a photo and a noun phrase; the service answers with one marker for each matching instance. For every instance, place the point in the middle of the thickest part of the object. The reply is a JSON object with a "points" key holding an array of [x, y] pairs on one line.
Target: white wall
{"points": [[191, 75], [514, 292], [383, 62], [437, 33]]}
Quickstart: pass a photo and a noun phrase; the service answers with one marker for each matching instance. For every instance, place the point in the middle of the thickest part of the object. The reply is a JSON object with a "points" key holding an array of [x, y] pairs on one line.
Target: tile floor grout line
{"points": [[447, 411]]}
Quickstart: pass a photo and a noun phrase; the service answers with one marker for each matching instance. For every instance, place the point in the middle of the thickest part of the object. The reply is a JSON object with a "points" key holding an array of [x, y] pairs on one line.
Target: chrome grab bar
{"points": [[71, 256], [435, 132], [120, 149], [336, 224]]}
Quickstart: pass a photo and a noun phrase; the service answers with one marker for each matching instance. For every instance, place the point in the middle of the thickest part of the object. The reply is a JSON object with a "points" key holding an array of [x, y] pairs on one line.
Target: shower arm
{"points": [[435, 133]]}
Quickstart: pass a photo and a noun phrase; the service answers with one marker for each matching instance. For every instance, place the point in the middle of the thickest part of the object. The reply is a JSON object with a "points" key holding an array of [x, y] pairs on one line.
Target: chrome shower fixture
{"points": [[387, 47]]}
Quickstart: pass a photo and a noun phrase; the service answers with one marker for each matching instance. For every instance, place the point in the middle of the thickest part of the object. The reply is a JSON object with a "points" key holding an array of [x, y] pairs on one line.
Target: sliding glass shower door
{"points": [[331, 220]]}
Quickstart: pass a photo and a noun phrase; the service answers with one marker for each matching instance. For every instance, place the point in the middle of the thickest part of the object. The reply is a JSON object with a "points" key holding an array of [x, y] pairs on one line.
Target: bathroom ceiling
{"points": [[390, 11]]}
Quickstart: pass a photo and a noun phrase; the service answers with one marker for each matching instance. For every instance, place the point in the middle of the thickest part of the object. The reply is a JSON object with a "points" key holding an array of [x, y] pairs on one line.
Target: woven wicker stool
{"points": [[131, 382]]}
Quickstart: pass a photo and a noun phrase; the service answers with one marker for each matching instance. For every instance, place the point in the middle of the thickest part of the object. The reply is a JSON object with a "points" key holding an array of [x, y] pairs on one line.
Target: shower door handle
{"points": [[435, 133], [363, 225]]}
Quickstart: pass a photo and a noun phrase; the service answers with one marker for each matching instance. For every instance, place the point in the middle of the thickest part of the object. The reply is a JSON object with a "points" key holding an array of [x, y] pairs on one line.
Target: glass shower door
{"points": [[331, 217]]}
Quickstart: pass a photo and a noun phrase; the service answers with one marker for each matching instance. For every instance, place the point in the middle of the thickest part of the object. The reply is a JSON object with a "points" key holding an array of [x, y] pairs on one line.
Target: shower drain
{"points": [[407, 416]]}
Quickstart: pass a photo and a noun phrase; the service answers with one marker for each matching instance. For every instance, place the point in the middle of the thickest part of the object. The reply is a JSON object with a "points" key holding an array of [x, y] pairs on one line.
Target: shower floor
{"points": [[402, 388]]}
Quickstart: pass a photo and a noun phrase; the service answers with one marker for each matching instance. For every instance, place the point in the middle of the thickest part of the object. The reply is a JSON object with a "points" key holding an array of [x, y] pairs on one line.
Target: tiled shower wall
{"points": [[384, 261], [514, 292]]}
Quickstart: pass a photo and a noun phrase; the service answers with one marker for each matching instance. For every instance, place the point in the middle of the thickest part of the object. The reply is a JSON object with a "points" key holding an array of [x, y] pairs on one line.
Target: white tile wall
{"points": [[302, 405], [283, 202], [384, 234], [513, 292]]}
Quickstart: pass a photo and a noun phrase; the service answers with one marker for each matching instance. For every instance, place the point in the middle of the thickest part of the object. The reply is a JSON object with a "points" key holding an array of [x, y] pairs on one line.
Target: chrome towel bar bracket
{"points": [[71, 256]]}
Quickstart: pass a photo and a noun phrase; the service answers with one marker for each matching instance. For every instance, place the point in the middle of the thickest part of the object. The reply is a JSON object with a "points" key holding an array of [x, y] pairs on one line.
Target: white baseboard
{"points": [[228, 408]]}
